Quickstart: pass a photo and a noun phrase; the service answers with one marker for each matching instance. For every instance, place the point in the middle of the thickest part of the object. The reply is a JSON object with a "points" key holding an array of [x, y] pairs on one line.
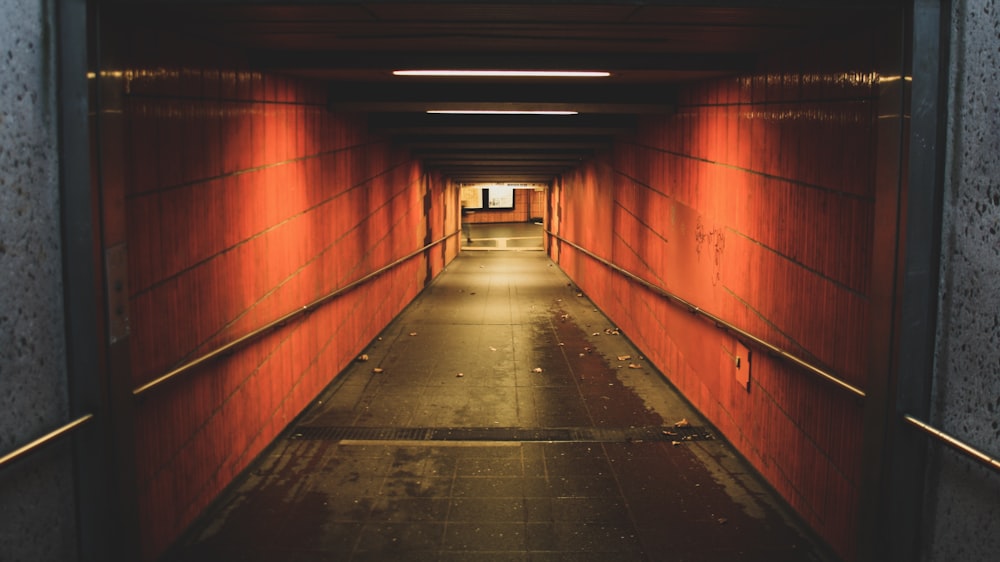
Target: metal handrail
{"points": [[954, 443], [159, 381], [42, 441], [719, 322]]}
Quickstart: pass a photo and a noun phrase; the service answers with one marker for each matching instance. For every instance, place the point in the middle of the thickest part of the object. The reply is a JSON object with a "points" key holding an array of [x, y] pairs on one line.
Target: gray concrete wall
{"points": [[36, 494], [963, 518]]}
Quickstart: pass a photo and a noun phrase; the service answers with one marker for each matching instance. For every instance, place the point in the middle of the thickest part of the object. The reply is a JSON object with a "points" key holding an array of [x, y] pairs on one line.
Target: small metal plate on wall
{"points": [[743, 365], [116, 271]]}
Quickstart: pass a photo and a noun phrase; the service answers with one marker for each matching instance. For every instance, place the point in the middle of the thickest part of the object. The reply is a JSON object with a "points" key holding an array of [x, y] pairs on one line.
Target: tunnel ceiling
{"points": [[649, 47]]}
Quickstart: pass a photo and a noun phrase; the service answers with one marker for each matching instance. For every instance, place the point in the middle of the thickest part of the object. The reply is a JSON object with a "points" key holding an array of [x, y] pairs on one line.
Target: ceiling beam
{"points": [[423, 97], [319, 61]]}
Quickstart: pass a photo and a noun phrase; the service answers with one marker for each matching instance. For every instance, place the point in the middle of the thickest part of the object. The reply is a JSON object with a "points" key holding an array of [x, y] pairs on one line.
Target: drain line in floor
{"points": [[506, 434]]}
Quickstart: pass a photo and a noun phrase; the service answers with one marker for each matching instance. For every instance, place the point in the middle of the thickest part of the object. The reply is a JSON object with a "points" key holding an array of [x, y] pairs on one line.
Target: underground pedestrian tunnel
{"points": [[278, 183]]}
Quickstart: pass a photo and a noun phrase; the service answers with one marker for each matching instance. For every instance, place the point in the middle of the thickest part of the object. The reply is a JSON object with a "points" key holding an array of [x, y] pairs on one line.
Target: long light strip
{"points": [[497, 112], [507, 73]]}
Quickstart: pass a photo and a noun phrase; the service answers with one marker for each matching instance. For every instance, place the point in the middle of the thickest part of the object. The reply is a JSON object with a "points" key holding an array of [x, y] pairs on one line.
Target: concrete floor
{"points": [[504, 423]]}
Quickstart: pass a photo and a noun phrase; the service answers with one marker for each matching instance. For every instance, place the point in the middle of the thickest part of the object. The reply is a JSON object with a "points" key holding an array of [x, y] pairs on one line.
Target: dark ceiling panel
{"points": [[464, 12], [650, 47]]}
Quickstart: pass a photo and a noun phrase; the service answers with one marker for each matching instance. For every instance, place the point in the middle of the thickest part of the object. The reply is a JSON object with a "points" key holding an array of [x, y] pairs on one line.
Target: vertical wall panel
{"points": [[754, 201]]}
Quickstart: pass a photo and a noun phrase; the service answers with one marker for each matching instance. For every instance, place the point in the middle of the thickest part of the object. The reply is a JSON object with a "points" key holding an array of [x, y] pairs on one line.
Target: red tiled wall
{"points": [[754, 202], [246, 200], [536, 201]]}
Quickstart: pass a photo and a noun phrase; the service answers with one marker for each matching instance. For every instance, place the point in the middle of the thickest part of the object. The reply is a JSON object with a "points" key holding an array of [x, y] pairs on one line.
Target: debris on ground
{"points": [[413, 333], [675, 443], [492, 348], [363, 357], [682, 423], [611, 331], [634, 366], [460, 375], [669, 433], [377, 370], [624, 357], [536, 370]]}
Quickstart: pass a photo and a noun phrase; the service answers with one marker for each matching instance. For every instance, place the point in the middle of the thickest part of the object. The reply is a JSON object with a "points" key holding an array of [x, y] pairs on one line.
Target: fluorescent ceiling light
{"points": [[507, 73], [497, 112]]}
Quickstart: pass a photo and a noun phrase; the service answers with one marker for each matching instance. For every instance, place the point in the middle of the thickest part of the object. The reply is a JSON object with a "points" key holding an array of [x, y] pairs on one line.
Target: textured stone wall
{"points": [[963, 519], [36, 494]]}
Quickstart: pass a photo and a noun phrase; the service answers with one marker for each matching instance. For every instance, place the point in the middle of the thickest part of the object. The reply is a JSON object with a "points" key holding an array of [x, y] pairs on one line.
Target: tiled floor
{"points": [[501, 425]]}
